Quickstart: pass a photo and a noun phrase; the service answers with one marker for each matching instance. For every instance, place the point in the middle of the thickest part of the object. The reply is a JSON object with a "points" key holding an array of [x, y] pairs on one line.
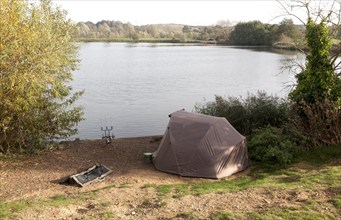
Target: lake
{"points": [[134, 86]]}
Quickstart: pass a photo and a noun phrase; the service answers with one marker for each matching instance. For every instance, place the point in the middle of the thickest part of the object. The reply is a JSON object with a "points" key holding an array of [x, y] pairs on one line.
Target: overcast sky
{"points": [[180, 12]]}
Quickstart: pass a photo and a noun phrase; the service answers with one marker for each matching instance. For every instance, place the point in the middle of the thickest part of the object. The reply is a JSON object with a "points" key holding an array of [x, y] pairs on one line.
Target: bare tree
{"points": [[328, 11]]}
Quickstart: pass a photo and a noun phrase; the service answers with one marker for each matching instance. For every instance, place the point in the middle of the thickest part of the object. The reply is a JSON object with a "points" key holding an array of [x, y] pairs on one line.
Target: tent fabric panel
{"points": [[218, 139], [228, 132], [164, 158], [165, 138], [236, 161], [202, 160], [194, 163], [185, 132]]}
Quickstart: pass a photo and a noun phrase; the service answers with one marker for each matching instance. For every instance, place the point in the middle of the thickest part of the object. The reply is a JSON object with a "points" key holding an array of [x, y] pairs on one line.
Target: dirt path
{"points": [[37, 175]]}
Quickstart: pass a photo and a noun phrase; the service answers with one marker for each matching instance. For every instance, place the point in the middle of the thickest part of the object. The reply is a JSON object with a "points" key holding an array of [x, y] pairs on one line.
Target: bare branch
{"points": [[286, 10], [292, 65]]}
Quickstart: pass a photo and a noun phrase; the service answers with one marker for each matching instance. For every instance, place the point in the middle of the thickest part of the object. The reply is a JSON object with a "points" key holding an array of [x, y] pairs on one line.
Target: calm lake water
{"points": [[133, 87]]}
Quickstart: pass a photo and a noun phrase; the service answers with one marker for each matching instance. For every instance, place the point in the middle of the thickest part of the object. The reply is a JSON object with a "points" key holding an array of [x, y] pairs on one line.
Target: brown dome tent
{"points": [[198, 145]]}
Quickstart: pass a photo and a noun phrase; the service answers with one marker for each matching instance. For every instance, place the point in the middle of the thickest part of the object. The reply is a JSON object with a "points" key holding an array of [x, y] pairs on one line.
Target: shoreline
{"points": [[178, 41], [146, 40], [75, 139]]}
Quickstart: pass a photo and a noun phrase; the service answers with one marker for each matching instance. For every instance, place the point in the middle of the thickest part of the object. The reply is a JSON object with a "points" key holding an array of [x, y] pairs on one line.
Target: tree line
{"points": [[243, 33]]}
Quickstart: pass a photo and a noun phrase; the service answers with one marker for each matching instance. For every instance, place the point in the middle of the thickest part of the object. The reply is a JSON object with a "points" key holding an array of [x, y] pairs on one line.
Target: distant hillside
{"points": [[176, 28]]}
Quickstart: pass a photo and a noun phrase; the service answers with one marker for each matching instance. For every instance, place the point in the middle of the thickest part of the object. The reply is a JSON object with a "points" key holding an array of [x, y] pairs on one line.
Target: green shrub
{"points": [[246, 115], [274, 145]]}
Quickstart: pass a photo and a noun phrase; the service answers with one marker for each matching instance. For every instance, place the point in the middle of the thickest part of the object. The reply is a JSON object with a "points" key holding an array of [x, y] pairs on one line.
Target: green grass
{"points": [[336, 201], [187, 215], [291, 178], [105, 204], [12, 158], [178, 190], [226, 215], [124, 186], [101, 215], [152, 204], [270, 177], [311, 211], [270, 214], [9, 210], [320, 155], [104, 188]]}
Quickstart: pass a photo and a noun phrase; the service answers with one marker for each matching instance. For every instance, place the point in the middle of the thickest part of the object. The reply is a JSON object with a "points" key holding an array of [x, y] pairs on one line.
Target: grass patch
{"points": [[329, 176], [152, 204], [313, 211], [12, 158], [336, 201], [104, 188], [268, 176], [292, 178], [105, 204], [9, 210], [179, 190], [187, 215], [320, 155], [107, 215], [226, 215], [124, 186], [57, 201], [101, 215]]}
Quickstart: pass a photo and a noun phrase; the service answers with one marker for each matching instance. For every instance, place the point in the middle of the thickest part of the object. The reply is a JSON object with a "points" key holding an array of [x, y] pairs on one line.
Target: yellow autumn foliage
{"points": [[37, 56]]}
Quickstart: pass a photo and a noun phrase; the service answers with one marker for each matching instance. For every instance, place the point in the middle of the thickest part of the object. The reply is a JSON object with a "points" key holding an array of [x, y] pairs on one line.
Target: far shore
{"points": [[178, 41], [146, 40], [280, 46]]}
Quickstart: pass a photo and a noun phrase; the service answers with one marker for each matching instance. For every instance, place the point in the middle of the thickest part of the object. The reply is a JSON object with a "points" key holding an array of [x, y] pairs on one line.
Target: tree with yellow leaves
{"points": [[37, 56]]}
